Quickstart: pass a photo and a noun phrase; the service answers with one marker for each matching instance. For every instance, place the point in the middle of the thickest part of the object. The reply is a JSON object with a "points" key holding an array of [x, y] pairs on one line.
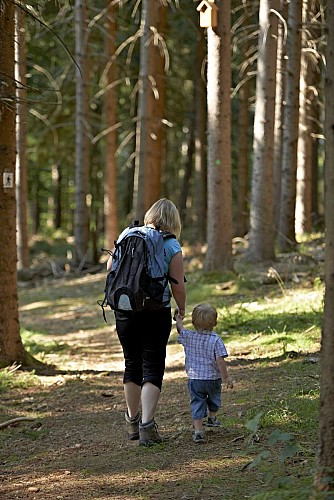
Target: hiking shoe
{"points": [[132, 426], [213, 422], [198, 437], [148, 434]]}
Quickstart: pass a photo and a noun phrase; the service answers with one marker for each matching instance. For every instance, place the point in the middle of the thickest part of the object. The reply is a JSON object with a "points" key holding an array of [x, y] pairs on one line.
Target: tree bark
{"points": [[188, 169], [11, 347], [261, 239], [325, 469], [200, 140], [81, 132], [304, 164], [110, 104], [286, 236], [159, 105], [242, 219], [21, 142], [315, 118], [241, 215], [219, 224], [57, 176], [144, 164], [279, 111]]}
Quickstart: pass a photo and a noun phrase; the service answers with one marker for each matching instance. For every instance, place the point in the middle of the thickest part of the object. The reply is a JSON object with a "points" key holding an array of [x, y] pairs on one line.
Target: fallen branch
{"points": [[3, 425]]}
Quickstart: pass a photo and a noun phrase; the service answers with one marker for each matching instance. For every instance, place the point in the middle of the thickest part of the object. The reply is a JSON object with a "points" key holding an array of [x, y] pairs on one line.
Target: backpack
{"points": [[137, 279]]}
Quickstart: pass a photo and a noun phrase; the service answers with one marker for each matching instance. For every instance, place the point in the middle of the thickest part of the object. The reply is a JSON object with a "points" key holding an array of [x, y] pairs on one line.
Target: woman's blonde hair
{"points": [[164, 215], [204, 317]]}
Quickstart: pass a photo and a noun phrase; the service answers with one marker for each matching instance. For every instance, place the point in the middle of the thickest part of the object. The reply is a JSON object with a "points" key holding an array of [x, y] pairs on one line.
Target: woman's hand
{"points": [[179, 314], [176, 271]]}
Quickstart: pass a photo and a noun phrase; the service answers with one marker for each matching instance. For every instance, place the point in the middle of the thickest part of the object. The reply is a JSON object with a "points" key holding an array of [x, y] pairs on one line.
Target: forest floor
{"points": [[75, 447]]}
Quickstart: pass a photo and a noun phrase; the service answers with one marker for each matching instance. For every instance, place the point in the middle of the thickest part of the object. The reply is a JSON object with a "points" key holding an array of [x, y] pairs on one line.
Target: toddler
{"points": [[205, 355]]}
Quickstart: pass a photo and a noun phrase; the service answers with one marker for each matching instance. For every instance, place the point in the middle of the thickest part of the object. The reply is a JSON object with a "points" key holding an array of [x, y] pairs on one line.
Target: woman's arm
{"points": [[109, 261], [176, 271]]}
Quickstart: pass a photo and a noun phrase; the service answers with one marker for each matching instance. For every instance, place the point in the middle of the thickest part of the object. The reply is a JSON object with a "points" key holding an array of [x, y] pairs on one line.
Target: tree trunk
{"points": [[241, 214], [241, 224], [315, 118], [35, 203], [219, 232], [279, 111], [316, 90], [81, 132], [304, 165], [188, 168], [11, 347], [110, 103], [261, 239], [200, 140], [159, 106], [144, 165], [21, 142], [325, 470], [286, 237], [57, 176]]}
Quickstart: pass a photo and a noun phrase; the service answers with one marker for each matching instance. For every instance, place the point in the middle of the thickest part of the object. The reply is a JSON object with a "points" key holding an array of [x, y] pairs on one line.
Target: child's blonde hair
{"points": [[204, 317], [164, 215]]}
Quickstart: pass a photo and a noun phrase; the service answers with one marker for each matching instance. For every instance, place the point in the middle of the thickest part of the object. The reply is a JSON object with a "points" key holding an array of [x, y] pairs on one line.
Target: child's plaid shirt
{"points": [[201, 351]]}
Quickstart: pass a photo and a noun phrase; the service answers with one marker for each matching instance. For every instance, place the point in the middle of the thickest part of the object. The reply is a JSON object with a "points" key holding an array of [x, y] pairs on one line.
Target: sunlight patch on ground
{"points": [[90, 278], [86, 364], [72, 313], [83, 336], [35, 305], [174, 362], [312, 299]]}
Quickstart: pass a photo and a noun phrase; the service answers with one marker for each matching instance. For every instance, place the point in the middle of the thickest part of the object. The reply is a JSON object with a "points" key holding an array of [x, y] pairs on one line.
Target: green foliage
{"points": [[51, 71], [254, 424], [50, 244], [289, 449]]}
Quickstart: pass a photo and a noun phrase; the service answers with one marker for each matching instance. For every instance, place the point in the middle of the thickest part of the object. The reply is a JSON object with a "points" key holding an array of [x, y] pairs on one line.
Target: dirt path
{"points": [[76, 448]]}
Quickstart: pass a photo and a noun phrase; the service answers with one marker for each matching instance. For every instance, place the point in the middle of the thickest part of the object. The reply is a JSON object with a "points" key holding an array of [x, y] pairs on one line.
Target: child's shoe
{"points": [[132, 426], [148, 434], [213, 422], [198, 437]]}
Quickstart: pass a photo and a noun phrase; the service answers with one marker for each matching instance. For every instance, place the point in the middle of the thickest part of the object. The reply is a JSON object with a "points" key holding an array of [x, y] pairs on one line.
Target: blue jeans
{"points": [[204, 395]]}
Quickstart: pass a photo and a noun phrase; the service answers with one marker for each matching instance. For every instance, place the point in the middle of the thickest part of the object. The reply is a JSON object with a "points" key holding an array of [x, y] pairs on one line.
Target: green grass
{"points": [[15, 379], [36, 346]]}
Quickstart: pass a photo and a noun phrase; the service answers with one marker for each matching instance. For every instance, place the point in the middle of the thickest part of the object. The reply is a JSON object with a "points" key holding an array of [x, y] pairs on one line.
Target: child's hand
{"points": [[229, 383], [177, 314]]}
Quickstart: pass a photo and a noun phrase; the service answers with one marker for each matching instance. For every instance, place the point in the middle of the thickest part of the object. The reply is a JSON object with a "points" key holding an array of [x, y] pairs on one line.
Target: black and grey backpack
{"points": [[137, 279]]}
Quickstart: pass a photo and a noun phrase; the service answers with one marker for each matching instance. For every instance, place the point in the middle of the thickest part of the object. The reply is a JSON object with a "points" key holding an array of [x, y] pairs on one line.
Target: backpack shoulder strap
{"points": [[134, 224], [166, 235], [129, 231]]}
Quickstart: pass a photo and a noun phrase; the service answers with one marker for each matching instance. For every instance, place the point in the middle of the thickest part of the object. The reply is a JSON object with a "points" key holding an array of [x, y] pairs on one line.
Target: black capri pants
{"points": [[144, 336]]}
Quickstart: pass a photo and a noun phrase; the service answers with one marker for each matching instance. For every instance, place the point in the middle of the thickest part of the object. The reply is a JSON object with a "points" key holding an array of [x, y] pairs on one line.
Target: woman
{"points": [[144, 335]]}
